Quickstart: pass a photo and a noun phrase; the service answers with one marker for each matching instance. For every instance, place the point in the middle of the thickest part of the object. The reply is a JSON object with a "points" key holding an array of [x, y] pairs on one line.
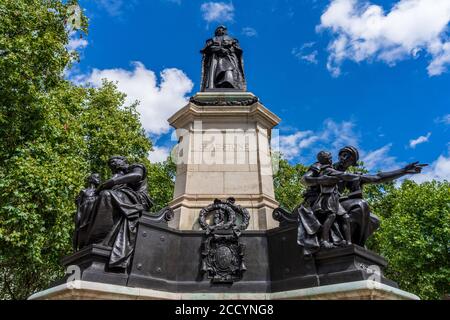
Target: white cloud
{"points": [[363, 31], [440, 62], [217, 11], [444, 119], [158, 101], [340, 134], [332, 135], [311, 57], [249, 32], [159, 154], [76, 43], [292, 145], [113, 7], [380, 159], [303, 146], [439, 170], [305, 53], [422, 139]]}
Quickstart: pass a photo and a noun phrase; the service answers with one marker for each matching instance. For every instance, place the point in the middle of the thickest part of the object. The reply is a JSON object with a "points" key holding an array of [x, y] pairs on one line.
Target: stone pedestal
{"points": [[224, 151], [360, 290]]}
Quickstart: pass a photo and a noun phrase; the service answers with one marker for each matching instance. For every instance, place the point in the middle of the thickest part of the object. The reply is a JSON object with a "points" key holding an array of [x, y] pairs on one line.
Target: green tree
{"points": [[53, 135], [33, 56], [415, 237], [40, 180], [162, 182], [287, 183]]}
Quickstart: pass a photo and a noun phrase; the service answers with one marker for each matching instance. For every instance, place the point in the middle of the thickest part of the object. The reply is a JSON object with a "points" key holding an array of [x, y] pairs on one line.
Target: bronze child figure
{"points": [[85, 203], [327, 204]]}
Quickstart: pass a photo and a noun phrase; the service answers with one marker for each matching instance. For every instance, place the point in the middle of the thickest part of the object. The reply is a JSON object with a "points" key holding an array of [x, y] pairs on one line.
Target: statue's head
{"points": [[118, 163], [324, 157], [221, 31], [94, 179], [348, 156], [231, 200]]}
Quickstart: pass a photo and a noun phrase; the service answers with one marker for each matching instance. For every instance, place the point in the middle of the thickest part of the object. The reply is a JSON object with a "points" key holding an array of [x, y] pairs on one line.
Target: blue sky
{"points": [[336, 72]]}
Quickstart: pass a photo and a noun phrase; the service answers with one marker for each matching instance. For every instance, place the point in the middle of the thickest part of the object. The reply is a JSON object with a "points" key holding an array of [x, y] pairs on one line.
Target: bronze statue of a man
{"points": [[222, 65]]}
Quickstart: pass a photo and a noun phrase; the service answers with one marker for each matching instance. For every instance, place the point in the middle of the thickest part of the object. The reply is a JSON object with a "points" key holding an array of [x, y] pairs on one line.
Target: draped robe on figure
{"points": [[116, 215], [222, 69]]}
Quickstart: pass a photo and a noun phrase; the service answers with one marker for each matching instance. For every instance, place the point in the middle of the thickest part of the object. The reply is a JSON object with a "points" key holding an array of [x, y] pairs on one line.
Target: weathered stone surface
{"points": [[359, 290], [224, 151]]}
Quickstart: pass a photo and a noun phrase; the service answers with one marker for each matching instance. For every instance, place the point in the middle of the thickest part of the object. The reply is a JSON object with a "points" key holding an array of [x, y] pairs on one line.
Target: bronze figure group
{"points": [[108, 212], [334, 212]]}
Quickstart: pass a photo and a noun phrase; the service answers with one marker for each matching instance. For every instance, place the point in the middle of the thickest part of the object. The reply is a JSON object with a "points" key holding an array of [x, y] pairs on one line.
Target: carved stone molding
{"points": [[224, 102]]}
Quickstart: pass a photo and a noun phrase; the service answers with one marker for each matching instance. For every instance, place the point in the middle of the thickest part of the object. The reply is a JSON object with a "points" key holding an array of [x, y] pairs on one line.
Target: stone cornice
{"points": [[192, 201], [255, 111]]}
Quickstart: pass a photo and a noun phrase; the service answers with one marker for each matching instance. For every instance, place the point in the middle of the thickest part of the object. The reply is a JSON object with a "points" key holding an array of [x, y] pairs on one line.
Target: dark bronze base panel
{"points": [[169, 260]]}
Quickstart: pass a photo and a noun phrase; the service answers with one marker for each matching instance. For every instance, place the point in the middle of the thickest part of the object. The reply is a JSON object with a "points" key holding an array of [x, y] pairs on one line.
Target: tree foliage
{"points": [[287, 183], [33, 56], [415, 237], [162, 178], [53, 134]]}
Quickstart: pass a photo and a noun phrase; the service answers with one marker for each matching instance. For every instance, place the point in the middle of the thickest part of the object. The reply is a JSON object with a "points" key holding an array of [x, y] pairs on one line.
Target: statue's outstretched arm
{"points": [[344, 176], [382, 177]]}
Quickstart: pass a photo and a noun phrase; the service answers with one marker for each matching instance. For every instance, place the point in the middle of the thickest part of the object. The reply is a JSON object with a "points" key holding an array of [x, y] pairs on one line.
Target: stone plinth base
{"points": [[358, 290], [224, 151]]}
